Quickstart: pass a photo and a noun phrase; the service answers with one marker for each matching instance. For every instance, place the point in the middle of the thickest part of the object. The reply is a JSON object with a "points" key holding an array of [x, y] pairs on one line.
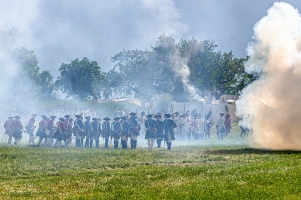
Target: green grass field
{"points": [[208, 170]]}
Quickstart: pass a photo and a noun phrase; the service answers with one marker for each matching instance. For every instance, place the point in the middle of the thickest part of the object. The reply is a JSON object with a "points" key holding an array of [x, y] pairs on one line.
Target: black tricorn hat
{"points": [[52, 117], [167, 115], [158, 116], [142, 113], [94, 119], [88, 117], [67, 116], [149, 116], [78, 116], [116, 118], [17, 117], [43, 116], [61, 119], [123, 117], [177, 113], [132, 113], [106, 118], [221, 113]]}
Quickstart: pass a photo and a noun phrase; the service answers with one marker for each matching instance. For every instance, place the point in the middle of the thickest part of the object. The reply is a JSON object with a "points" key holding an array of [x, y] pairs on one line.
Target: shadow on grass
{"points": [[251, 151]]}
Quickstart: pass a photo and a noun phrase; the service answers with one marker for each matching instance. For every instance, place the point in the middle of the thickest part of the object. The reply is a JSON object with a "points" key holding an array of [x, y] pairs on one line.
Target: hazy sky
{"points": [[63, 30]]}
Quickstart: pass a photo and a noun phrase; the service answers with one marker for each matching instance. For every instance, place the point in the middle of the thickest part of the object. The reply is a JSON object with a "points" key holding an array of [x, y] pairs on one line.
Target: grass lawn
{"points": [[208, 170]]}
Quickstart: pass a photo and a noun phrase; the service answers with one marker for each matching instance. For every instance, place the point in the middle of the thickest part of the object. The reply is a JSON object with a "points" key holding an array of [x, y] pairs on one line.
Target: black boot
{"points": [[115, 144], [168, 145], [132, 144], [106, 143], [91, 143], [81, 142], [125, 144], [97, 144], [135, 144]]}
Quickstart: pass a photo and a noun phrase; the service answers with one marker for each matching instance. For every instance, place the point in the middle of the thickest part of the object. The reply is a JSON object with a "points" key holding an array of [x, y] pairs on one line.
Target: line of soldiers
{"points": [[86, 132]]}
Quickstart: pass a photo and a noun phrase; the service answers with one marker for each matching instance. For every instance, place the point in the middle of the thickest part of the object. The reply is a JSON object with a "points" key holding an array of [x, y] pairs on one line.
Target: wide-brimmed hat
{"points": [[167, 115], [106, 118], [88, 117], [132, 113], [123, 117], [43, 116], [94, 119], [78, 116], [149, 116], [52, 117], [67, 116]]}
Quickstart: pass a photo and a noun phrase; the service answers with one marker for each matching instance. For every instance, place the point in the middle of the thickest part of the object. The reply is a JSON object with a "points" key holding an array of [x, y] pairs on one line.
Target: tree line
{"points": [[174, 68]]}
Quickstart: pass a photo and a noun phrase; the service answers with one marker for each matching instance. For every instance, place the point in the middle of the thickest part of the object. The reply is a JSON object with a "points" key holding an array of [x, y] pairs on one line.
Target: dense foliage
{"points": [[179, 69]]}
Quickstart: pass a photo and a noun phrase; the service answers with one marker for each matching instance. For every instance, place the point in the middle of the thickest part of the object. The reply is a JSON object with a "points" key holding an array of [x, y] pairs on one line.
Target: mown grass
{"points": [[208, 170]]}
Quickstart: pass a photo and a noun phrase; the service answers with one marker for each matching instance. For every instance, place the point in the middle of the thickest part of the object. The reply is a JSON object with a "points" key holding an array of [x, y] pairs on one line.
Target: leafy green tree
{"points": [[80, 79], [46, 84]]}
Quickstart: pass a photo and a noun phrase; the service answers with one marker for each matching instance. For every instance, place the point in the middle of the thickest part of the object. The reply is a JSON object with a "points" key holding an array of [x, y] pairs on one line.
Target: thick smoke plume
{"points": [[271, 106]]}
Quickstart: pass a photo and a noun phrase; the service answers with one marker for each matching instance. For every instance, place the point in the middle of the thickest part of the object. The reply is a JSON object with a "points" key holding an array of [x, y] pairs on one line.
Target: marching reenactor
{"points": [[41, 130], [116, 131], [60, 133], [106, 131], [159, 128], [201, 124], [227, 124], [8, 128], [30, 128], [220, 127], [150, 135], [94, 133], [134, 130], [141, 122], [68, 124], [17, 127], [208, 124], [50, 130], [125, 128], [87, 128], [177, 120], [78, 129], [169, 133], [194, 126]]}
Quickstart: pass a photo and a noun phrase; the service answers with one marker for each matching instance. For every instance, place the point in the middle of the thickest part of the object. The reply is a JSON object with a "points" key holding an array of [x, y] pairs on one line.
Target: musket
{"points": [[171, 109], [163, 110], [147, 110], [4, 135], [202, 109], [184, 108], [214, 114]]}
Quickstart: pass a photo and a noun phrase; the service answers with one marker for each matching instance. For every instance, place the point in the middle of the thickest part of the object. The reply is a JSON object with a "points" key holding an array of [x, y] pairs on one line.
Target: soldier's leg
{"points": [[87, 142], [17, 140], [97, 143], [9, 138], [106, 143], [40, 141], [91, 142], [149, 143], [58, 143], [116, 143], [135, 144], [78, 143]]}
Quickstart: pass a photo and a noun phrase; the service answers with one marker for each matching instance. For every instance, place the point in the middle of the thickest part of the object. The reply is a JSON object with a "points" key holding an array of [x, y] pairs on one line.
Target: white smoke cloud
{"points": [[271, 105]]}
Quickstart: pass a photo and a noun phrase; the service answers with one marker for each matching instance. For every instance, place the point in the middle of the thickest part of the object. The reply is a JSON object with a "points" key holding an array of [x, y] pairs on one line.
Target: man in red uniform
{"points": [[18, 129], [60, 133], [42, 128], [50, 128], [8, 128], [30, 128]]}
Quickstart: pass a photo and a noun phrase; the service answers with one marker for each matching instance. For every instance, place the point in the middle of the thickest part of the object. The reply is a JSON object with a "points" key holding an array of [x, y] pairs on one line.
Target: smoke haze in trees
{"points": [[61, 31], [271, 105]]}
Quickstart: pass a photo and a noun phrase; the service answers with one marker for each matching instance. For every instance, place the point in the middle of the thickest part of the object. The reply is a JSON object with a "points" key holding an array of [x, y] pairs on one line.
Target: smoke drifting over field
{"points": [[271, 105]]}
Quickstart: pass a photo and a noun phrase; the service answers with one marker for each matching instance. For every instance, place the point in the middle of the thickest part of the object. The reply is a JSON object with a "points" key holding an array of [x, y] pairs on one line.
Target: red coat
{"points": [[60, 127]]}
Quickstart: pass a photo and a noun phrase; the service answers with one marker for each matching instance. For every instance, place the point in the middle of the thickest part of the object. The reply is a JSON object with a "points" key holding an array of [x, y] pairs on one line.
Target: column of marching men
{"points": [[121, 131]]}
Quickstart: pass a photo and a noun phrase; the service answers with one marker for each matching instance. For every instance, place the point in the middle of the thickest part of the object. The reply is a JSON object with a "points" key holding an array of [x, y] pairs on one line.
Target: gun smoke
{"points": [[271, 105]]}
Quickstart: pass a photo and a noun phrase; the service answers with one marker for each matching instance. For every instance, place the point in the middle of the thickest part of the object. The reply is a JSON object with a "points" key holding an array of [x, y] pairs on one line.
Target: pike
{"points": [[184, 108], [4, 136], [171, 109], [163, 110], [214, 114]]}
